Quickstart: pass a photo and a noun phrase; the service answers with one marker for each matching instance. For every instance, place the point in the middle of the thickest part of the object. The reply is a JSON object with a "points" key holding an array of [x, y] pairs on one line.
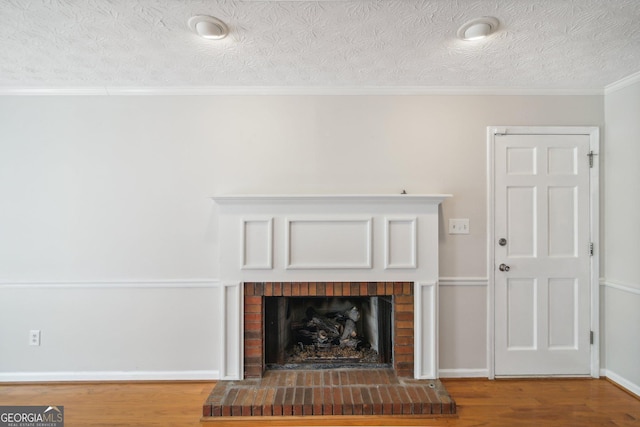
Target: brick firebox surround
{"points": [[254, 293]]}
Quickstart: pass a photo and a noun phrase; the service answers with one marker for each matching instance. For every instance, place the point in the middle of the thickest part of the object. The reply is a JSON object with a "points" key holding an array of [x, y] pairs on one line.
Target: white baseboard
{"points": [[109, 376], [621, 381], [463, 373]]}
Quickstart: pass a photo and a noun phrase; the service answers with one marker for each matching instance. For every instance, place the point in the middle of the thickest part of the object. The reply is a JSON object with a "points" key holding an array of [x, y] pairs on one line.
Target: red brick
{"points": [[253, 351], [329, 289], [307, 401], [380, 288], [253, 335], [404, 332], [268, 289], [387, 401], [236, 406], [318, 394], [404, 358], [249, 288], [316, 379], [252, 301], [406, 340], [403, 349], [424, 399], [404, 316], [313, 289], [388, 288], [407, 407], [252, 371], [253, 326], [247, 403], [278, 402], [337, 289], [364, 288], [397, 288], [276, 289], [404, 369], [395, 398], [300, 378], [415, 400], [295, 289], [377, 401], [259, 289], [346, 289], [326, 378], [403, 299], [406, 289], [298, 399], [372, 288], [286, 290], [267, 403], [337, 401], [321, 288], [358, 401], [404, 324], [367, 400], [252, 317], [352, 377], [388, 376], [344, 378], [355, 289], [287, 404], [304, 289], [347, 406], [227, 404], [253, 360]]}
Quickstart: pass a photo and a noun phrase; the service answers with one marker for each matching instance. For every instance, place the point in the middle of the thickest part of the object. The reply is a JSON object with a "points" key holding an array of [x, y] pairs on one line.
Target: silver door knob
{"points": [[504, 267]]}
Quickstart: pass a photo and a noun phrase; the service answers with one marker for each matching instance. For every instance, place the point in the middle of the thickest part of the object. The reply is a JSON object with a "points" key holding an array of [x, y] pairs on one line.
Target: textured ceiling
{"points": [[544, 44]]}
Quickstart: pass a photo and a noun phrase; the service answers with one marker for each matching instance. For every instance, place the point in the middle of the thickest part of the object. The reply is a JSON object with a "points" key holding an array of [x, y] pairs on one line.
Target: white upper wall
{"points": [[117, 188]]}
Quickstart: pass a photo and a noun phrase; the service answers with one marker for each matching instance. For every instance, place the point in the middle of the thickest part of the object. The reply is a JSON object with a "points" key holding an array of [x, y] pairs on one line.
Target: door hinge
{"points": [[591, 249], [591, 337], [590, 155]]}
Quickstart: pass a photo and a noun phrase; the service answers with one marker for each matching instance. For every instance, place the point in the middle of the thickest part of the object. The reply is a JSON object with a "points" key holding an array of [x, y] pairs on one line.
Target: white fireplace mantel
{"points": [[324, 238]]}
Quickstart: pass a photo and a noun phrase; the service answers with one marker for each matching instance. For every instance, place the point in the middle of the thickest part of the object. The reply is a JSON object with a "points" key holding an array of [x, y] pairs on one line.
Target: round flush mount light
{"points": [[478, 28], [208, 27]]}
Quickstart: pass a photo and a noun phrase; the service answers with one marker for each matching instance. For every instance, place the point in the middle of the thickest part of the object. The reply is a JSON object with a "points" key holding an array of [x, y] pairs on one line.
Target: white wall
{"points": [[117, 189], [621, 306]]}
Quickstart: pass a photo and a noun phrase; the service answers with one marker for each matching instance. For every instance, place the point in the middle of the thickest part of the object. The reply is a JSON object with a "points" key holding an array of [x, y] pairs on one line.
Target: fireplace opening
{"points": [[328, 332]]}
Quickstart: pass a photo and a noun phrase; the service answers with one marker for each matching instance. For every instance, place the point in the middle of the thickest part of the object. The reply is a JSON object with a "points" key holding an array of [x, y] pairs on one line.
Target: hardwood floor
{"points": [[548, 402]]}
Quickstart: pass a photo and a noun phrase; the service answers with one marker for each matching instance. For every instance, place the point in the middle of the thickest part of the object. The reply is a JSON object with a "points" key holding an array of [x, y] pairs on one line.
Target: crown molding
{"points": [[622, 83], [53, 91], [292, 90]]}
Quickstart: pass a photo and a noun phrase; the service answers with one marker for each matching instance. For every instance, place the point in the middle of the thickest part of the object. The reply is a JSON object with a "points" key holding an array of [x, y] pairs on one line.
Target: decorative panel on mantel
{"points": [[329, 238]]}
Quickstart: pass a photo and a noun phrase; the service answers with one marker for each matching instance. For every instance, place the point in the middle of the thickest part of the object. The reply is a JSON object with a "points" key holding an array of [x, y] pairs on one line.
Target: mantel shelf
{"points": [[331, 198]]}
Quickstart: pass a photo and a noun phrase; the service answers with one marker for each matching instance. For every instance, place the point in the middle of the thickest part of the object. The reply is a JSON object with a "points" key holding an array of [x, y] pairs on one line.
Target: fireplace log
{"points": [[336, 328]]}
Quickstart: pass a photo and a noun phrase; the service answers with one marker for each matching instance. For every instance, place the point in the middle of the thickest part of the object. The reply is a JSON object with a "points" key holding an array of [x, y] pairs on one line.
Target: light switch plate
{"points": [[458, 225]]}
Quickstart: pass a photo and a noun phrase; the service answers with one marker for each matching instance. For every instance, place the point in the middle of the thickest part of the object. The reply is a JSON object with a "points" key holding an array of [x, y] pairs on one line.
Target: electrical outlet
{"points": [[459, 226], [34, 337]]}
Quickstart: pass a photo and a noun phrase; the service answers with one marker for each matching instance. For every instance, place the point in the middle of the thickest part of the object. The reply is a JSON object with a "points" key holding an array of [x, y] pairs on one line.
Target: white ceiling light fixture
{"points": [[208, 27], [478, 28]]}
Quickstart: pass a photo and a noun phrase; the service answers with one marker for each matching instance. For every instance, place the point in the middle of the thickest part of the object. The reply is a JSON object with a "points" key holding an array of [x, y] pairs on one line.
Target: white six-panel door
{"points": [[542, 265]]}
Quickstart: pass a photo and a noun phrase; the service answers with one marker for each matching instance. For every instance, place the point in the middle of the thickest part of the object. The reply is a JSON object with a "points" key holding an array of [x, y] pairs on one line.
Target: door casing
{"points": [[594, 205]]}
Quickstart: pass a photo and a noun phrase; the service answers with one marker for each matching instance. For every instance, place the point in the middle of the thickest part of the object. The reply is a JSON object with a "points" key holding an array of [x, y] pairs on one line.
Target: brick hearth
{"points": [[254, 293], [329, 392]]}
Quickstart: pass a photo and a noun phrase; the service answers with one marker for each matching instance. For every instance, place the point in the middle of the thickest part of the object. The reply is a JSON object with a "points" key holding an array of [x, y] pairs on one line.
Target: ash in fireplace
{"points": [[311, 354], [332, 337]]}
